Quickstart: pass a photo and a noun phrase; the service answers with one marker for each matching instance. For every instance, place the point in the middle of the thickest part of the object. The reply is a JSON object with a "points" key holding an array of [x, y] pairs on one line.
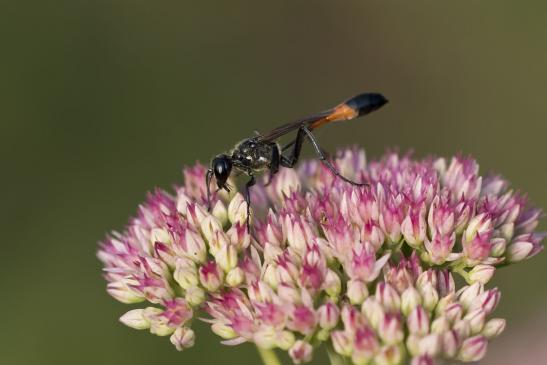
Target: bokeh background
{"points": [[103, 100]]}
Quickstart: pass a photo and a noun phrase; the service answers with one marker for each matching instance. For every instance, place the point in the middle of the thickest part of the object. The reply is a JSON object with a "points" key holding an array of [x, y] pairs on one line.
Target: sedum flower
{"points": [[368, 271]]}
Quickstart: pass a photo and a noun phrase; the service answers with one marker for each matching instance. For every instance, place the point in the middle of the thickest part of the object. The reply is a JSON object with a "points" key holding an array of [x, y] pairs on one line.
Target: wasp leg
{"points": [[248, 185], [295, 154], [325, 161], [208, 177], [274, 164]]}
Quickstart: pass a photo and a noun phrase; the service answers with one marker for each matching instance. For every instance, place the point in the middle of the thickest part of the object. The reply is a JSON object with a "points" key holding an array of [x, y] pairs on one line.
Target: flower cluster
{"points": [[369, 271]]}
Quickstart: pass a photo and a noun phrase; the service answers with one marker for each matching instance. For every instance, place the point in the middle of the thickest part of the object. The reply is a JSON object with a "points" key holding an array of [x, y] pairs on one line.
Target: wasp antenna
{"points": [[365, 103]]}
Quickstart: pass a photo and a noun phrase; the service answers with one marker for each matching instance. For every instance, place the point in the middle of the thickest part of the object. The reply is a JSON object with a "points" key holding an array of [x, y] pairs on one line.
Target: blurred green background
{"points": [[103, 100]]}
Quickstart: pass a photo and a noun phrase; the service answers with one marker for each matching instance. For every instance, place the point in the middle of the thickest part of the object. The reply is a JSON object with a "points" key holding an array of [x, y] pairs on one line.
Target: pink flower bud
{"points": [[389, 355], [220, 212], [418, 321], [445, 282], [486, 301], [409, 300], [239, 236], [365, 344], [342, 342], [298, 232], [462, 328], [191, 246], [422, 360], [453, 312], [440, 247], [473, 349], [226, 257], [498, 246], [519, 251], [430, 345], [123, 292], [357, 292], [414, 226], [441, 216], [328, 315], [476, 320], [440, 325], [481, 273], [467, 294], [430, 297], [451, 343], [302, 319], [211, 276], [390, 329], [301, 352], [237, 209], [388, 297], [391, 218], [494, 327], [373, 311], [183, 338]]}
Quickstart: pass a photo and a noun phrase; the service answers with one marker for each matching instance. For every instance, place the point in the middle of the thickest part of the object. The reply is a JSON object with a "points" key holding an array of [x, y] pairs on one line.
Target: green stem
{"points": [[268, 356], [334, 358]]}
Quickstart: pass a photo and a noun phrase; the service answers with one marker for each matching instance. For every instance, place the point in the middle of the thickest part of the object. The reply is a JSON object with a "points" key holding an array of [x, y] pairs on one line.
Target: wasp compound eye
{"points": [[222, 166]]}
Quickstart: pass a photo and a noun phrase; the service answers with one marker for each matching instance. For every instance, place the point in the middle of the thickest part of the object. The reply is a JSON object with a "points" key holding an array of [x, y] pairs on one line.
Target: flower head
{"points": [[367, 269]]}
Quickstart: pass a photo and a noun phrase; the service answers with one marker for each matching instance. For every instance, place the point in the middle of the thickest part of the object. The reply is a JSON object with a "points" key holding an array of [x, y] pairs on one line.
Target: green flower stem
{"points": [[268, 356], [459, 269], [334, 358]]}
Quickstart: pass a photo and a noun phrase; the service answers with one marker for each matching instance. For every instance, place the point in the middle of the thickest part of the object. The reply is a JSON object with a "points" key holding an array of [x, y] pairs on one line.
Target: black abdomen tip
{"points": [[366, 102]]}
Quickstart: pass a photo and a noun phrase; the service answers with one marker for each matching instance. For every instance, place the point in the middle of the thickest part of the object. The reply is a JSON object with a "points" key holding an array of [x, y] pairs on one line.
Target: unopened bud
{"points": [[235, 277], [430, 345], [473, 349], [183, 338], [357, 292], [418, 321], [342, 343], [333, 285], [494, 327], [481, 274], [195, 296], [476, 320], [410, 299], [134, 319], [301, 352], [226, 257]]}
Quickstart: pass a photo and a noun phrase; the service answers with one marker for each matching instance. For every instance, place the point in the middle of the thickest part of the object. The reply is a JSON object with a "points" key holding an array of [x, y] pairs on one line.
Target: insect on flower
{"points": [[260, 153]]}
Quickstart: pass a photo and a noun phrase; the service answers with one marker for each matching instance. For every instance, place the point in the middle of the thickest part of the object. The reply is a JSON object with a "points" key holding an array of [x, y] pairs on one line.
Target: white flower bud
{"points": [[237, 209], [494, 327], [235, 277], [134, 319], [220, 212], [224, 331], [226, 257], [481, 273], [410, 299], [195, 296], [357, 292], [183, 338]]}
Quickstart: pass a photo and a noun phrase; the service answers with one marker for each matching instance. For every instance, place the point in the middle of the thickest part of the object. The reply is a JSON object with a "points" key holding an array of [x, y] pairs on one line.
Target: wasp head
{"points": [[222, 167]]}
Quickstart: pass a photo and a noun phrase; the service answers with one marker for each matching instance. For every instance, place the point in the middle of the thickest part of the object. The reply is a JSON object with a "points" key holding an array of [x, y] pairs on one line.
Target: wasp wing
{"points": [[352, 108]]}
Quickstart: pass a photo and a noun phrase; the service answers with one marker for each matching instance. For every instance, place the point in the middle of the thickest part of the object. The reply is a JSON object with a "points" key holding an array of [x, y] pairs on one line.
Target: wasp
{"points": [[262, 153]]}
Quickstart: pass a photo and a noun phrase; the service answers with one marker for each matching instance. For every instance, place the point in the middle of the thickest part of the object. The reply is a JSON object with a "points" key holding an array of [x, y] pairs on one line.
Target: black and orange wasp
{"points": [[260, 153]]}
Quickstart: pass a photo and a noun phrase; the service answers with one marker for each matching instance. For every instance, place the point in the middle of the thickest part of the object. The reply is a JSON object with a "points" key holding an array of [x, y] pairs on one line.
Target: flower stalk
{"points": [[268, 356]]}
